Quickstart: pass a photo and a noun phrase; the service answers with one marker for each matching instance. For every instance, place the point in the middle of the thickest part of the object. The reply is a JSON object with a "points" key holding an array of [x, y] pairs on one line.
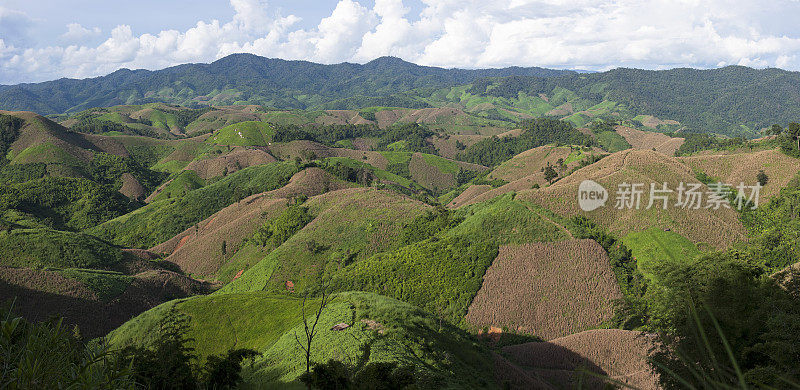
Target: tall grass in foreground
{"points": [[703, 368]]}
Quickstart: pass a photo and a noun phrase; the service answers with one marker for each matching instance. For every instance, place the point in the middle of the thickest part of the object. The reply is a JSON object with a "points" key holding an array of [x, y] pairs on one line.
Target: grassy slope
{"points": [[349, 224], [39, 248], [443, 275], [446, 357], [163, 219], [180, 185], [612, 142], [654, 246], [249, 133]]}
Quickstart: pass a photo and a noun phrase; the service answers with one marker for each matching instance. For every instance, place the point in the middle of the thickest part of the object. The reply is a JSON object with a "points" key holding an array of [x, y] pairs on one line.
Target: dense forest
{"points": [[714, 100]]}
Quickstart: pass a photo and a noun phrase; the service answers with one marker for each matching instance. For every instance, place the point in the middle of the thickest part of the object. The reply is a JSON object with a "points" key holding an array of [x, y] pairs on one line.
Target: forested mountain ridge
{"points": [[246, 78], [734, 100]]}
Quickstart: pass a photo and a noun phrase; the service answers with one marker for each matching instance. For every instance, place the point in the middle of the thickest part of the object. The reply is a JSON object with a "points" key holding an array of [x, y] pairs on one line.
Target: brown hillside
{"points": [[446, 146], [38, 130], [43, 294], [433, 177], [743, 167], [197, 250], [719, 228], [523, 172], [616, 353], [342, 117], [547, 289], [470, 193], [238, 158], [131, 187], [531, 162], [647, 140]]}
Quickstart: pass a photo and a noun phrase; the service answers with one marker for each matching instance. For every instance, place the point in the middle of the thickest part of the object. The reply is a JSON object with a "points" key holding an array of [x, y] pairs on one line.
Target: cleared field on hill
{"points": [[199, 250], [743, 168], [442, 274], [646, 140], [616, 353], [96, 301], [349, 225], [718, 228], [547, 290], [531, 162]]}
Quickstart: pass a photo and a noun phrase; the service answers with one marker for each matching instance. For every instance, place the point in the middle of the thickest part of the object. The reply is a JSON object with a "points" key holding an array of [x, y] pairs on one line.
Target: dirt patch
{"points": [[238, 158], [132, 188], [42, 294], [446, 146]]}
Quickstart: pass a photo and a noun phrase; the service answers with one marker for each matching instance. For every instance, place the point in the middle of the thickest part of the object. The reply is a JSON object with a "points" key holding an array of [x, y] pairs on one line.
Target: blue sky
{"points": [[48, 39]]}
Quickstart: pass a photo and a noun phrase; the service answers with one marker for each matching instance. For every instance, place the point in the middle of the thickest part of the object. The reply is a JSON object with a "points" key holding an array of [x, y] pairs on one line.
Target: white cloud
{"points": [[77, 33], [581, 34], [14, 26]]}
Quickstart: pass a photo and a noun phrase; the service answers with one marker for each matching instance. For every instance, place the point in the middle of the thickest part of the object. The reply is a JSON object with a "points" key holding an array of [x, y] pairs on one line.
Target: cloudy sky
{"points": [[48, 39]]}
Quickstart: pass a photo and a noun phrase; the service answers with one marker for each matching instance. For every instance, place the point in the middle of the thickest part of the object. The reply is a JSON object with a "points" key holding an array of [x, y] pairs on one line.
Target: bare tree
{"points": [[311, 330]]}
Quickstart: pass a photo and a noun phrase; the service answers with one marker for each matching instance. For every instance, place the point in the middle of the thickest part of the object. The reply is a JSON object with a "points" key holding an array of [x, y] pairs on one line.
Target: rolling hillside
{"points": [[719, 228]]}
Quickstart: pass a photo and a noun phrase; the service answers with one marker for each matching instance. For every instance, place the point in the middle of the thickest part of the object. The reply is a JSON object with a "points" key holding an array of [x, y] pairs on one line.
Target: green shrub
{"points": [[65, 203], [277, 230]]}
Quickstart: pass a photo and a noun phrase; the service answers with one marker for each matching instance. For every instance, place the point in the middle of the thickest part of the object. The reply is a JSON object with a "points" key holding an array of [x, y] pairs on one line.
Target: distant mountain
{"points": [[734, 100], [252, 79]]}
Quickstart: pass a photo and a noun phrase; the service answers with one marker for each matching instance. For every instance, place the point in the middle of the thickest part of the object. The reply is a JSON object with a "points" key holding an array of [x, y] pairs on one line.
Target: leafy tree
{"points": [[793, 130], [762, 177], [276, 231], [335, 375], [168, 364], [722, 320], [550, 174], [48, 355], [9, 130], [224, 372]]}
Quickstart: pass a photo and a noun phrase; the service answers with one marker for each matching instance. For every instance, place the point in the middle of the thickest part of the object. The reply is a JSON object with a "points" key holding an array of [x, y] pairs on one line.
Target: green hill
{"points": [[244, 134], [443, 356], [159, 221]]}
